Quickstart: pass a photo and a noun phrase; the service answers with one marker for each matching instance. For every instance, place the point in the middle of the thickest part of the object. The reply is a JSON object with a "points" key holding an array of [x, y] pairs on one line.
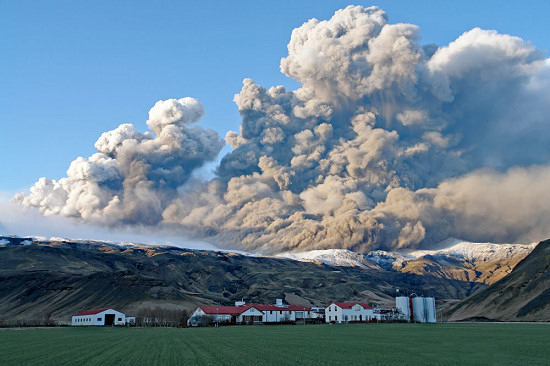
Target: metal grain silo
{"points": [[419, 313], [429, 309], [402, 306]]}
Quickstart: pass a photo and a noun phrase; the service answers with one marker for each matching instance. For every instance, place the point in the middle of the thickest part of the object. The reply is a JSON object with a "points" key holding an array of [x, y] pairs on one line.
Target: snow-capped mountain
{"points": [[462, 260], [456, 260], [484, 252], [334, 257]]}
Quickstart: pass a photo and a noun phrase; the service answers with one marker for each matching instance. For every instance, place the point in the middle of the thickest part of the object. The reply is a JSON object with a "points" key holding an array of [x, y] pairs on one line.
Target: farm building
{"points": [[318, 313], [278, 314], [343, 312], [101, 317], [385, 315], [249, 314], [418, 309], [226, 314]]}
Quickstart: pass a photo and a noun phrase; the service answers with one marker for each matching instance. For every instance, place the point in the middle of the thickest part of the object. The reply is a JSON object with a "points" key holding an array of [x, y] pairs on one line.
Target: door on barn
{"points": [[109, 319]]}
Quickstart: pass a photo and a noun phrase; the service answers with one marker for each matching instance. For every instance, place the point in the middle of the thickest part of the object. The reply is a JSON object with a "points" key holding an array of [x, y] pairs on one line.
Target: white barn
{"points": [[343, 312], [101, 317]]}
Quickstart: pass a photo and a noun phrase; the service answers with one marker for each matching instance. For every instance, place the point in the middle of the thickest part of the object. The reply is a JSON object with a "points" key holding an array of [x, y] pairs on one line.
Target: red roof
{"points": [[263, 307], [237, 310], [92, 312], [233, 310], [349, 305]]}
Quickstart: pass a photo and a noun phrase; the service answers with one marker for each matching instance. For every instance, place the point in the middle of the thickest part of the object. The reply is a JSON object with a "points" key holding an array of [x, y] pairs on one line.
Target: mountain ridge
{"points": [[478, 262], [55, 279]]}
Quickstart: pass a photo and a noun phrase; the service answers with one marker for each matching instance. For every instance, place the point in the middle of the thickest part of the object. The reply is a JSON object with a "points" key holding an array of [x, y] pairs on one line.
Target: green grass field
{"points": [[352, 344]]}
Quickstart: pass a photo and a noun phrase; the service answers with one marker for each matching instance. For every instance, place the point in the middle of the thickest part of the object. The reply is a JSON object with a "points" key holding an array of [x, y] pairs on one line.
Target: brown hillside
{"points": [[54, 280], [523, 295]]}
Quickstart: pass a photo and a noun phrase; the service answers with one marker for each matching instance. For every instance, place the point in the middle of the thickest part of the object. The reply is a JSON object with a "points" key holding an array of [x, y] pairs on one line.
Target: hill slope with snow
{"points": [[466, 261], [524, 295]]}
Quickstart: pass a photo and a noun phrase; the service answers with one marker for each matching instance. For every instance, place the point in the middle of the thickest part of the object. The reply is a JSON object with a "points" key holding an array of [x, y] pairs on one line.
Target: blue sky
{"points": [[71, 70]]}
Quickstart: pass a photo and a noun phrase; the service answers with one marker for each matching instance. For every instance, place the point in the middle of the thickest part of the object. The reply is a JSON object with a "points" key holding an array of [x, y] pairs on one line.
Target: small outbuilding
{"points": [[101, 317]]}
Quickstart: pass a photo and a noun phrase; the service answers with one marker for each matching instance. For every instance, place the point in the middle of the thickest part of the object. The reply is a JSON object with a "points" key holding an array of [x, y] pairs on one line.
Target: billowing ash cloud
{"points": [[386, 144], [134, 175]]}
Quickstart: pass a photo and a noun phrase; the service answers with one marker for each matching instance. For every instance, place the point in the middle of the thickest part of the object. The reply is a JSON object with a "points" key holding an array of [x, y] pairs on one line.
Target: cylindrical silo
{"points": [[402, 306], [419, 313], [429, 306]]}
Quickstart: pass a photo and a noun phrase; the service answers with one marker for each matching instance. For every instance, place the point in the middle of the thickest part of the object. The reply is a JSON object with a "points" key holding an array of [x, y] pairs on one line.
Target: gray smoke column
{"points": [[386, 144]]}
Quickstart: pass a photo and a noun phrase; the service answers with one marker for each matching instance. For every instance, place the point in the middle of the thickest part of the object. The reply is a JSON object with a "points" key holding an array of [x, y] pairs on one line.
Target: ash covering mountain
{"points": [[387, 144]]}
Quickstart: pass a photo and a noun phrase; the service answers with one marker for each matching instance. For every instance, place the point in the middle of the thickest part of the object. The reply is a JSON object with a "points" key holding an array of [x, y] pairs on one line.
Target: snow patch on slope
{"points": [[333, 257], [484, 252], [481, 252]]}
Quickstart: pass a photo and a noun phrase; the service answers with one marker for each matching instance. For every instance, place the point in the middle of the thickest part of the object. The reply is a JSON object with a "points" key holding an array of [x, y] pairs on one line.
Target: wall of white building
{"points": [[252, 312], [274, 316], [334, 313]]}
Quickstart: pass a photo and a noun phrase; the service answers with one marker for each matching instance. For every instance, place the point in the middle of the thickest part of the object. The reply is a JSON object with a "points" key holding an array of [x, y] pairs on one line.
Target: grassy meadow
{"points": [[351, 344]]}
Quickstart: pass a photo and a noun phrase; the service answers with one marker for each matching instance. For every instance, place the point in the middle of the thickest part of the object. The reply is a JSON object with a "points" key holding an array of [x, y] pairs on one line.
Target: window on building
{"points": [[98, 319], [119, 319]]}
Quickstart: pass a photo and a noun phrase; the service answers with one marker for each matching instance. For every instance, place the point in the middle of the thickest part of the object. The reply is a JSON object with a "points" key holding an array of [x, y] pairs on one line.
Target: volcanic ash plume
{"points": [[386, 144], [134, 176]]}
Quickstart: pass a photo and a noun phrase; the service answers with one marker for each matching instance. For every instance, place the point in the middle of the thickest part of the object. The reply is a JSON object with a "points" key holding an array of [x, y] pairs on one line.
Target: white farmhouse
{"points": [[100, 317], [226, 314], [243, 313], [343, 312], [281, 313]]}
